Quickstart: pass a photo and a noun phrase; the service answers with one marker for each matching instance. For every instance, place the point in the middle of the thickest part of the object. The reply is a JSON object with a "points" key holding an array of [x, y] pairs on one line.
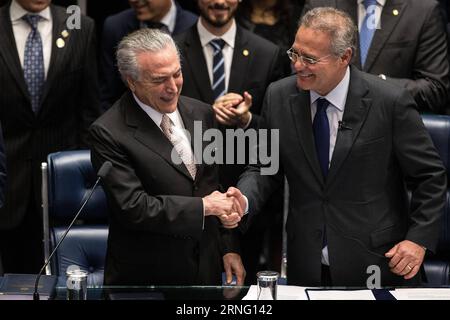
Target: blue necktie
{"points": [[321, 130], [367, 31], [218, 85], [33, 67]]}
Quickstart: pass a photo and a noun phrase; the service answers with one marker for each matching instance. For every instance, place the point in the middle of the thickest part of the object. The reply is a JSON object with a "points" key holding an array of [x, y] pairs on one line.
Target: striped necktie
{"points": [[218, 85]]}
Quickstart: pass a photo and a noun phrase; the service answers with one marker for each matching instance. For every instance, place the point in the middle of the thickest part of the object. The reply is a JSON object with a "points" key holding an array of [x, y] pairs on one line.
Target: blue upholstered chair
{"points": [[437, 267], [67, 178]]}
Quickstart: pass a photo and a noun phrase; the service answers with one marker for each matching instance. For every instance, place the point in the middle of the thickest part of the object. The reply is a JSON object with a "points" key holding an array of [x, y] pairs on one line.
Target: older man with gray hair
{"points": [[167, 224], [349, 144]]}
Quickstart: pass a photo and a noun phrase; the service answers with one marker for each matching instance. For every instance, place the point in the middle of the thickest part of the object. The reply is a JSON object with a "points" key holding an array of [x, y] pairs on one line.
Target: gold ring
{"points": [[409, 267]]}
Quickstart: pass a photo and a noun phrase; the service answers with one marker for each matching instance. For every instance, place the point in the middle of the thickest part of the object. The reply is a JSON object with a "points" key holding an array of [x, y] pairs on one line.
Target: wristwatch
{"points": [[382, 76]]}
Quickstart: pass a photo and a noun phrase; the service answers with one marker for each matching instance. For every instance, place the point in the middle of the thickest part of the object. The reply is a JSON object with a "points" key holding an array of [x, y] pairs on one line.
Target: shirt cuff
{"points": [[246, 205], [248, 122], [203, 218]]}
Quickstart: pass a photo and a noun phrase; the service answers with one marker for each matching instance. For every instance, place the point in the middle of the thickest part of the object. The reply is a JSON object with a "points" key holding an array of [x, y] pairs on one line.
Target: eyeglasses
{"points": [[294, 56]]}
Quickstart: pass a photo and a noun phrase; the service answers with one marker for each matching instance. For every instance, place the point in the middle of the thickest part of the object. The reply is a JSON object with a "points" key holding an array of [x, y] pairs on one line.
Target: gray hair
{"points": [[336, 23], [143, 40]]}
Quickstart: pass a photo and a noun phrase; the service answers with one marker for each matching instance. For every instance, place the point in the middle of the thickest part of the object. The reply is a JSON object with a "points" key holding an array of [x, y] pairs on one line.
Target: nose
{"points": [[171, 85], [299, 64]]}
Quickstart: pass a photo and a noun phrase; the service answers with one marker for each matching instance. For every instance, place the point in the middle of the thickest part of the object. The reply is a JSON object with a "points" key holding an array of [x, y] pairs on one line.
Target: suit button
{"points": [[326, 201], [195, 188]]}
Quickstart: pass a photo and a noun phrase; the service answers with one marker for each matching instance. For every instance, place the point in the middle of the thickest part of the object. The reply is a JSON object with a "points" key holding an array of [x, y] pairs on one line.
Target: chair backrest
{"points": [[437, 268], [68, 178]]}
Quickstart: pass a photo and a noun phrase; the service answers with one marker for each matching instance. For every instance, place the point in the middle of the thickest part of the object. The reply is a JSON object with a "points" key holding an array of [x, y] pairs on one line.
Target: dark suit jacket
{"points": [[363, 202], [2, 171], [410, 48], [114, 29], [155, 234], [69, 105], [252, 73]]}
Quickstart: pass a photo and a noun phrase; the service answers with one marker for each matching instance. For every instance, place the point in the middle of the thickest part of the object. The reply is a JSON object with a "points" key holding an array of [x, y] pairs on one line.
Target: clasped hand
{"points": [[229, 207]]}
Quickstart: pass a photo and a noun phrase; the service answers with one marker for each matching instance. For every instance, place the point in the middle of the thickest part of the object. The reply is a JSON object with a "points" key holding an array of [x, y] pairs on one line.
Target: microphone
{"points": [[343, 126], [102, 173]]}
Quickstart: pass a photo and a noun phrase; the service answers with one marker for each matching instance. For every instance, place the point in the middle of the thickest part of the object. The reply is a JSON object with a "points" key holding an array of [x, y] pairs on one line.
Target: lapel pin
{"points": [[395, 12], [60, 43], [245, 52], [65, 33]]}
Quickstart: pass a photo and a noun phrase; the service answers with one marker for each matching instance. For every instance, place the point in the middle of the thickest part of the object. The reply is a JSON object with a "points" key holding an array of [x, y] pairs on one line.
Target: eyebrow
{"points": [[306, 55], [163, 76]]}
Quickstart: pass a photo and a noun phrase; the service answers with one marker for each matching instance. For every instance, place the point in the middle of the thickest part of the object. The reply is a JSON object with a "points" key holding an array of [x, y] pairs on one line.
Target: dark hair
{"points": [[282, 10]]}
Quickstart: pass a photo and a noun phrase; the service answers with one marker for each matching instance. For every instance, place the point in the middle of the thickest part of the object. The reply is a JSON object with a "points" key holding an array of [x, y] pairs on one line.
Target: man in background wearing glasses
{"points": [[349, 142]]}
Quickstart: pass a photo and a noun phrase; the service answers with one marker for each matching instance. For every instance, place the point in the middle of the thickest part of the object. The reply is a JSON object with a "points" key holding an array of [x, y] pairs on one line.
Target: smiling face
{"points": [[326, 74], [160, 81], [218, 13], [34, 5]]}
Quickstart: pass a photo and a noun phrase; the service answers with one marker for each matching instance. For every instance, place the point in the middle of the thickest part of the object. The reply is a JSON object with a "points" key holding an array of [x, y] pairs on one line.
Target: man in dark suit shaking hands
{"points": [[166, 219], [349, 145], [49, 97]]}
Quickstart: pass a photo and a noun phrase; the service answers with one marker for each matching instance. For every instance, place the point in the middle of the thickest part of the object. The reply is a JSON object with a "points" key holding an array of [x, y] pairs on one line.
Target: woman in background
{"points": [[275, 20]]}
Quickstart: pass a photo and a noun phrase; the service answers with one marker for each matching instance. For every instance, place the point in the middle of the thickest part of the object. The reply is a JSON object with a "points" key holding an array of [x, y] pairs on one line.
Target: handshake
{"points": [[229, 207]]}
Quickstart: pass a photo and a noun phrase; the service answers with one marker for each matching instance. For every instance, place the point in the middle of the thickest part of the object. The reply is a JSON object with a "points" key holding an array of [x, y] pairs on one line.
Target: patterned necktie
{"points": [[186, 155], [367, 31], [218, 85], [321, 129], [33, 67]]}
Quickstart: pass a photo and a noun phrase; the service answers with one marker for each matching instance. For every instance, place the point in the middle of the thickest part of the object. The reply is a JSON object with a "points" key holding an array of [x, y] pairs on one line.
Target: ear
{"points": [[130, 84], [347, 56]]}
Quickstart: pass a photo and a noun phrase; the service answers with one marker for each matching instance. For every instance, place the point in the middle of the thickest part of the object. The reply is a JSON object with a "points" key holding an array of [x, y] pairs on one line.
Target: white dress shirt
{"points": [[21, 29], [335, 111], [229, 38]]}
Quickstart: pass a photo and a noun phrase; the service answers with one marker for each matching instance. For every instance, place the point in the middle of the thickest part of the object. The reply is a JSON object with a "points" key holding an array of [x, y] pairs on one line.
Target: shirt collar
{"points": [[170, 18], [156, 116], [17, 12], [205, 36], [338, 96]]}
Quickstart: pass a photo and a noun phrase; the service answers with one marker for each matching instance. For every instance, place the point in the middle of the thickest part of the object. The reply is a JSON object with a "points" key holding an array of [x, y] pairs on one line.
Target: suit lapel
{"points": [[301, 112], [197, 64], [239, 66], [355, 113], [149, 134], [57, 54], [9, 52], [387, 24]]}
